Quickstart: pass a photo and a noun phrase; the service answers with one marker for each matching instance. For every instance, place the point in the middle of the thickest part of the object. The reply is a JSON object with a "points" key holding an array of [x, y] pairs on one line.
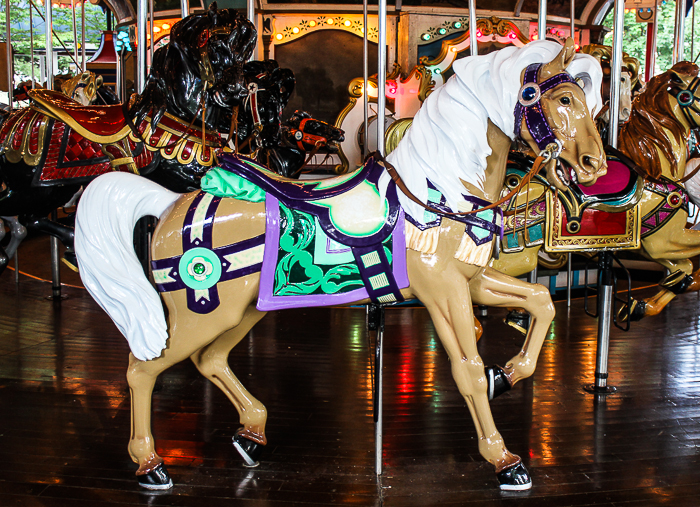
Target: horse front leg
{"points": [[17, 234], [450, 307], [493, 288]]}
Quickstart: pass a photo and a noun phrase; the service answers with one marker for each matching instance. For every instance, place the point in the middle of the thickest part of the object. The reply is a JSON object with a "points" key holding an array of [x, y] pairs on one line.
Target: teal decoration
{"points": [[200, 268], [301, 270], [223, 183]]}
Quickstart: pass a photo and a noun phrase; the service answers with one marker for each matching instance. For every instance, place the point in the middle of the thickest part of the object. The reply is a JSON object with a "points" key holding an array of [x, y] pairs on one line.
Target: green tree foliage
{"points": [[635, 36], [95, 22]]}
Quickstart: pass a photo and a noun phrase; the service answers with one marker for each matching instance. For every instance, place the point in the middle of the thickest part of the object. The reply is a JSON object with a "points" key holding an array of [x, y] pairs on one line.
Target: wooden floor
{"points": [[64, 412]]}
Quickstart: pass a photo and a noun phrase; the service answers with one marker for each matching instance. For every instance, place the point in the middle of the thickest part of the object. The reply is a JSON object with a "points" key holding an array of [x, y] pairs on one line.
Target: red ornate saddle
{"points": [[74, 143]]}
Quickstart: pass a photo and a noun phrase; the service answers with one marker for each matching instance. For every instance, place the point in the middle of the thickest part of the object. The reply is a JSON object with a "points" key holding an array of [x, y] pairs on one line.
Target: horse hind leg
{"points": [[17, 234], [212, 362]]}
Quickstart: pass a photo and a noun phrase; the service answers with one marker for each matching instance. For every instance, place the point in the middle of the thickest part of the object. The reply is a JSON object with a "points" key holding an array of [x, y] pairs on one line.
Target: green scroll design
{"points": [[295, 273]]}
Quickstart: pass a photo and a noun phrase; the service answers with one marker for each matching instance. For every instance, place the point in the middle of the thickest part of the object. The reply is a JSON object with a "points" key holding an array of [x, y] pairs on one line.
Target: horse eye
{"points": [[565, 101], [675, 78]]}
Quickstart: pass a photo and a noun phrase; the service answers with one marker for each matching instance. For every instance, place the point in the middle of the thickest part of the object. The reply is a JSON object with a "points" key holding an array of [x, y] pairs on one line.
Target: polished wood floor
{"points": [[64, 411]]}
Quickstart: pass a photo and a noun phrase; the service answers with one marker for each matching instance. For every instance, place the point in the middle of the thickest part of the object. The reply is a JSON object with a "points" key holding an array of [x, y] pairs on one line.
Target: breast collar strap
{"points": [[529, 105], [686, 100]]}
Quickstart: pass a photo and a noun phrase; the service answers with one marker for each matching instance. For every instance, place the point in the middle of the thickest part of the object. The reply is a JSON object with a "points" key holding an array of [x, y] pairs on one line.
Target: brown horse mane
{"points": [[647, 131]]}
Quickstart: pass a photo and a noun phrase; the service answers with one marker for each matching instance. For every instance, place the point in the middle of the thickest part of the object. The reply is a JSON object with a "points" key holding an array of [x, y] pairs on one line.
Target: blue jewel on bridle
{"points": [[530, 108]]}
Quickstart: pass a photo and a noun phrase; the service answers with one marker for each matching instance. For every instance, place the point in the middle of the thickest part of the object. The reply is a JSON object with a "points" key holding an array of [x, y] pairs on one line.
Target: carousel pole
{"points": [[605, 259], [152, 18], [55, 261], [365, 76], [250, 11], [31, 44], [381, 104], [184, 9], [141, 45], [542, 20], [82, 28], [75, 31], [572, 15], [652, 31], [8, 54], [473, 39], [678, 33]]}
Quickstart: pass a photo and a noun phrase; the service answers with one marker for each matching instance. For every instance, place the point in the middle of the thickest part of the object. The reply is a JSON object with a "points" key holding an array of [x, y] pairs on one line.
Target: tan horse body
{"points": [[446, 285]]}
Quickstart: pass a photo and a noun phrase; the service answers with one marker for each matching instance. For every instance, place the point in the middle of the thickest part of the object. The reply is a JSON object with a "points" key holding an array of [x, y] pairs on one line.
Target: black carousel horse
{"points": [[169, 134], [281, 146]]}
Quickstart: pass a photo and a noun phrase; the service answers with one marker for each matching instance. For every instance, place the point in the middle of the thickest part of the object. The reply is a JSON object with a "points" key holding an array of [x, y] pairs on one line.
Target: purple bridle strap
{"points": [[534, 116]]}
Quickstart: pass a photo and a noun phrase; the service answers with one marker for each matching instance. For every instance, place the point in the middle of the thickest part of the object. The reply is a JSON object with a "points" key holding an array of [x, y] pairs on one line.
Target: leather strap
{"points": [[536, 166]]}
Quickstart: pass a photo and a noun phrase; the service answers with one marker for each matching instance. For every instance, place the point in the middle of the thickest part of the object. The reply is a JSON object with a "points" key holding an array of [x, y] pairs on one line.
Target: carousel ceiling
{"points": [[586, 12]]}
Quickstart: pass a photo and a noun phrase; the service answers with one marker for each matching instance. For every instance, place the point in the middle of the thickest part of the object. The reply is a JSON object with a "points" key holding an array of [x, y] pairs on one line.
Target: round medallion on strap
{"points": [[200, 268], [529, 94]]}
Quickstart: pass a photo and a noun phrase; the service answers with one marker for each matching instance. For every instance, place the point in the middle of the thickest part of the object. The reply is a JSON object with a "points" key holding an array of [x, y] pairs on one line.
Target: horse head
{"points": [[552, 114], [308, 133], [661, 118], [83, 87], [629, 79], [201, 67]]}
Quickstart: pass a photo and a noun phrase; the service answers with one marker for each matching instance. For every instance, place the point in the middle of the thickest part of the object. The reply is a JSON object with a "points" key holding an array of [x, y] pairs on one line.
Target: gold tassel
{"points": [[422, 241]]}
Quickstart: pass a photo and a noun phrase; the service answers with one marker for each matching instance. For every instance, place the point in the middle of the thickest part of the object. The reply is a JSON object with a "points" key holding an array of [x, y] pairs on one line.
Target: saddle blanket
{"points": [[302, 266]]}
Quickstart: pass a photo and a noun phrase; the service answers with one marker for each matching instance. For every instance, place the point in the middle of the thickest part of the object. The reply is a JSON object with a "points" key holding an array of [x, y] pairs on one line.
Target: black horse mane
{"points": [[181, 57]]}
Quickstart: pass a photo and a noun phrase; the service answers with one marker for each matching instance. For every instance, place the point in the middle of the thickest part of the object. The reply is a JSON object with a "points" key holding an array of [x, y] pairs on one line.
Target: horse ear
{"points": [[213, 13], [560, 62]]}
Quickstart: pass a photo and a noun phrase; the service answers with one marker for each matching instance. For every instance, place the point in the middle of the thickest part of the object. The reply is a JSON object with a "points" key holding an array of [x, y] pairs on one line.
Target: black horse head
{"points": [[200, 68]]}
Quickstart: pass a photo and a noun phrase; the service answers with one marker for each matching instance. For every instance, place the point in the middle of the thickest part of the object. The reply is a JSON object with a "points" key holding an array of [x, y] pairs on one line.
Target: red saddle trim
{"points": [[101, 121]]}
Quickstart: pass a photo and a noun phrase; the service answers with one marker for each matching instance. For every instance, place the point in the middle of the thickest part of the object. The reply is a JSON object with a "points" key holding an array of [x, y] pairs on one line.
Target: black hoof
{"points": [[677, 282], [514, 478], [497, 381], [518, 320], [70, 260], [635, 313], [250, 451], [158, 478]]}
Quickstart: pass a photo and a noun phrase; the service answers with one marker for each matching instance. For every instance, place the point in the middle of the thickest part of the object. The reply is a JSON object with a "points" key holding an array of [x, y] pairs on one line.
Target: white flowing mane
{"points": [[447, 140]]}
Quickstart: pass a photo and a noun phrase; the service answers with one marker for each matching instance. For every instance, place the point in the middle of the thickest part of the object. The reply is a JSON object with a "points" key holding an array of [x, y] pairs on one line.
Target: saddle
{"points": [[101, 124], [334, 201]]}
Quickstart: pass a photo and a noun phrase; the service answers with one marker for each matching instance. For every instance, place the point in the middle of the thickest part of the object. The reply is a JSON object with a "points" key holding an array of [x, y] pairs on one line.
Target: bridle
{"points": [[686, 99]]}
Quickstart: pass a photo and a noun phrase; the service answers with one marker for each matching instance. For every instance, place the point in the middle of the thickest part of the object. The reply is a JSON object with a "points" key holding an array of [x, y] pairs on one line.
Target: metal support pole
{"points": [[652, 30], [542, 20], [375, 322], [55, 265], [678, 33], [84, 38], [8, 55], [75, 31], [365, 66], [381, 75], [141, 48], [120, 76], [381, 103], [16, 267], [568, 281], [31, 43], [250, 11], [572, 15], [605, 294], [184, 9], [473, 39], [616, 71], [532, 276], [152, 33]]}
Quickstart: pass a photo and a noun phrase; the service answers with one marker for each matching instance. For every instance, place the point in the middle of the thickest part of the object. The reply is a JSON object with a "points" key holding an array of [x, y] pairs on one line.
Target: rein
{"points": [[686, 100]]}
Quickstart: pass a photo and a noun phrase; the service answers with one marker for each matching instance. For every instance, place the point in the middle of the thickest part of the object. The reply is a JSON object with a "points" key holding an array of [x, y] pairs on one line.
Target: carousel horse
{"points": [[280, 146], [419, 225], [656, 142], [170, 133]]}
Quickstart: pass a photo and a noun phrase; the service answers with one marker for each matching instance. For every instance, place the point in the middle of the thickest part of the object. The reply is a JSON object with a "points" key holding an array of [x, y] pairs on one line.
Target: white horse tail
{"points": [[104, 244]]}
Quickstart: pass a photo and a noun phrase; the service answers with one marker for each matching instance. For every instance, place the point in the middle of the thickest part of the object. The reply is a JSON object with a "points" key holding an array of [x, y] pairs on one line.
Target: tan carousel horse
{"points": [[656, 139], [252, 241]]}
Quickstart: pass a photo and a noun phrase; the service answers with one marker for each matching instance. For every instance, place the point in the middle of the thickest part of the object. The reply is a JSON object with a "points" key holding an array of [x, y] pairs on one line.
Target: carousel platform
{"points": [[65, 423]]}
